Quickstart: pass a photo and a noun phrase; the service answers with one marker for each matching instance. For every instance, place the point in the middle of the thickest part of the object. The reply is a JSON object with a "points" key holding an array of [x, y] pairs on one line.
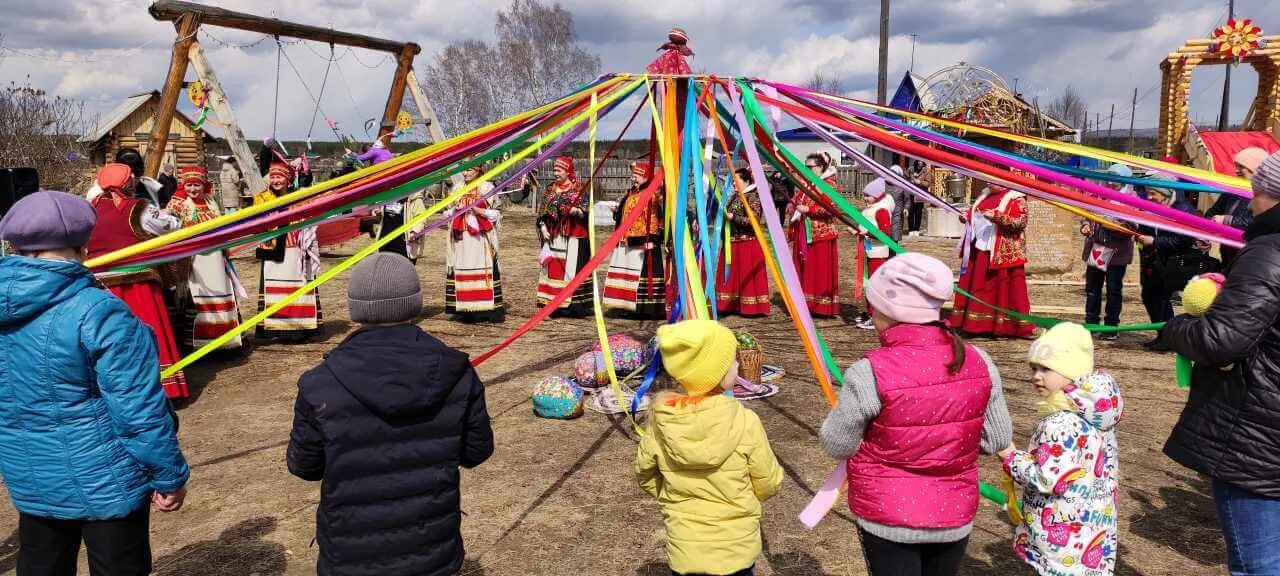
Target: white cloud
{"points": [[1102, 47]]}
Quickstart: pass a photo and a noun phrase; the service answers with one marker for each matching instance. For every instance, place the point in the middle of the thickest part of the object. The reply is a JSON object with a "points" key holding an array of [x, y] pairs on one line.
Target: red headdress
{"points": [[197, 174], [642, 169], [282, 169], [566, 163], [114, 177], [678, 40]]}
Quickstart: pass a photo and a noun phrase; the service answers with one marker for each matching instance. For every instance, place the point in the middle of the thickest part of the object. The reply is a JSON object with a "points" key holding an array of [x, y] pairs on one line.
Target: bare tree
{"points": [[535, 59], [43, 132], [1068, 107], [821, 82]]}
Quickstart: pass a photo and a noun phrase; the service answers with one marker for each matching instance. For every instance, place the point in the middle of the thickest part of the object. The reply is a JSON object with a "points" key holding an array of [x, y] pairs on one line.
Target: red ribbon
{"points": [[604, 252]]}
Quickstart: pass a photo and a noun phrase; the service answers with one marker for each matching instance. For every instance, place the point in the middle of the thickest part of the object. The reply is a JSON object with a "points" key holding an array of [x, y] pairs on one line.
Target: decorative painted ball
{"points": [[557, 397]]}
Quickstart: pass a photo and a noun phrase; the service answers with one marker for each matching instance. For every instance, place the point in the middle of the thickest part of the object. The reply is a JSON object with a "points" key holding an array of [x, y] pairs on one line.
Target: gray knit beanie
{"points": [[384, 289], [1266, 179]]}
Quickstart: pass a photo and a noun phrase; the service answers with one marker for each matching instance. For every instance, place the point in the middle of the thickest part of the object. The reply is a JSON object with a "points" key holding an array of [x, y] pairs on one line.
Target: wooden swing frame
{"points": [[187, 18]]}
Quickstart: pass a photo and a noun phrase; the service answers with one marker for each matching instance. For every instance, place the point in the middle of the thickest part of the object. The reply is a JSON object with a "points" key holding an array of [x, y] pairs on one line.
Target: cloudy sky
{"points": [[100, 51]]}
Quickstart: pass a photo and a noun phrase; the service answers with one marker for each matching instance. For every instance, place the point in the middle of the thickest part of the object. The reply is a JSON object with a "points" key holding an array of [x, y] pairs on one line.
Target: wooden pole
{"points": [[396, 97], [1224, 115], [429, 116], [222, 108], [1133, 112], [215, 16], [1111, 121], [882, 75], [187, 26]]}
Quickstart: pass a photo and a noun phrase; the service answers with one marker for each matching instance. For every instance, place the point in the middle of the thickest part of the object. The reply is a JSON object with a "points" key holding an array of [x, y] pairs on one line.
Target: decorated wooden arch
{"points": [[1242, 43]]}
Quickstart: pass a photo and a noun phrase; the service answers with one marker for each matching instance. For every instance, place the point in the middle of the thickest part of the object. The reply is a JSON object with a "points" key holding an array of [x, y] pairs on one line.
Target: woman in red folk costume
{"points": [[996, 254], [562, 227], [213, 303], [124, 220], [636, 280], [741, 284], [814, 244], [473, 282], [288, 262], [879, 211]]}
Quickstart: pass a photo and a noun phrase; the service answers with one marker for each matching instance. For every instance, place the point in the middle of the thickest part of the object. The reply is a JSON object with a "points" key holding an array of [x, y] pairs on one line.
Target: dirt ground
{"points": [[559, 497]]}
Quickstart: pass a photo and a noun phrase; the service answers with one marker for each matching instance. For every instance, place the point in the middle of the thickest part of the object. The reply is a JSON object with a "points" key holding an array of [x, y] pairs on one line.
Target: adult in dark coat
{"points": [[1158, 247], [384, 423], [168, 185], [1230, 428]]}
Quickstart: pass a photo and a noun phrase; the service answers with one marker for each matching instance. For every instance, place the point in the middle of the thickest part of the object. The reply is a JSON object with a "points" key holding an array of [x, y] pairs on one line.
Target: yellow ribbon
{"points": [[1064, 147], [601, 332], [404, 228], [416, 155]]}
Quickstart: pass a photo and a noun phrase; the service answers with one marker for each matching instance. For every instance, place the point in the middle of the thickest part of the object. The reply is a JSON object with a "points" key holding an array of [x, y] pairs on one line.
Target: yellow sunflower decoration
{"points": [[1237, 39]]}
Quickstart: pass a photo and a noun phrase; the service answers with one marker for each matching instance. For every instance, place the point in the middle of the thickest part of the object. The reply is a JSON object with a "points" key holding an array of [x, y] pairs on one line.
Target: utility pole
{"points": [[1224, 118], [1112, 121], [1133, 112], [883, 79], [1084, 136]]}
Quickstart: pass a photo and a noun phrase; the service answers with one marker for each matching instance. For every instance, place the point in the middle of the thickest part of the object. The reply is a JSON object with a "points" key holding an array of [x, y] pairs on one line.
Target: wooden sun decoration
{"points": [[1237, 39]]}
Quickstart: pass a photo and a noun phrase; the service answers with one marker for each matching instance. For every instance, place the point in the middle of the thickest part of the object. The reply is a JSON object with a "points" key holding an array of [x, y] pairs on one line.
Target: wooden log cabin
{"points": [[129, 126]]}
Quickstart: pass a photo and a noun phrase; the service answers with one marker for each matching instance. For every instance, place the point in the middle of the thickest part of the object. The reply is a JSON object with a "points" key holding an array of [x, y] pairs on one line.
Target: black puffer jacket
{"points": [[385, 421], [1230, 428]]}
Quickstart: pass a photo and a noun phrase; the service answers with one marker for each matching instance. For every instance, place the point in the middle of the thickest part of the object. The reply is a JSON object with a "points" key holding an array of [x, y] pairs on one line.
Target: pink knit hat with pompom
{"points": [[911, 288]]}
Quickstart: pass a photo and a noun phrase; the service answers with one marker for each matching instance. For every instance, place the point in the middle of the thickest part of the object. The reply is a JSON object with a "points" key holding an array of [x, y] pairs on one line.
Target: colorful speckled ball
{"points": [[557, 397], [585, 369], [628, 353]]}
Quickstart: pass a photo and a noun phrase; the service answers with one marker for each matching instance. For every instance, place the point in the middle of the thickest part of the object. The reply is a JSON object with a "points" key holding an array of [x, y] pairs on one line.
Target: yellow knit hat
{"points": [[1066, 348], [697, 353]]}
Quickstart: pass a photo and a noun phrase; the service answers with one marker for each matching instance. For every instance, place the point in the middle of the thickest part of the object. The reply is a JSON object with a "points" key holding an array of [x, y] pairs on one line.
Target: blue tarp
{"points": [[906, 97]]}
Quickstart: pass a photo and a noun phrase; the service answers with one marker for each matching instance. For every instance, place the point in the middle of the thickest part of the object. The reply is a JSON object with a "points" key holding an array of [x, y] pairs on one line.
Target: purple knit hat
{"points": [[911, 288], [1266, 179], [48, 220]]}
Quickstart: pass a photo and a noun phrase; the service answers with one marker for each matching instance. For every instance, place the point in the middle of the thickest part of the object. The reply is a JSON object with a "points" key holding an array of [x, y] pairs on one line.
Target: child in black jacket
{"points": [[384, 423]]}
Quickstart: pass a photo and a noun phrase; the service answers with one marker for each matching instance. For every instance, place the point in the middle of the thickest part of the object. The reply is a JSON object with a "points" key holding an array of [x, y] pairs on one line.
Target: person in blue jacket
{"points": [[87, 438]]}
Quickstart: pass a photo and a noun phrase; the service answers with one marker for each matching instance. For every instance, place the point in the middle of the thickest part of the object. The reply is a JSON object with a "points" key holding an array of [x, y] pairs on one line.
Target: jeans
{"points": [[888, 558], [117, 547], [1251, 527], [1094, 279]]}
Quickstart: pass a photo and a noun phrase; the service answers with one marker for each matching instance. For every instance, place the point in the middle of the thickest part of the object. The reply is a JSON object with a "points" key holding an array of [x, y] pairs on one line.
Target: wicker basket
{"points": [[750, 357]]}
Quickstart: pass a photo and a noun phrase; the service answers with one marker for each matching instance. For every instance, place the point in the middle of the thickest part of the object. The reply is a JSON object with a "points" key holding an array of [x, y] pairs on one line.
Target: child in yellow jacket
{"points": [[706, 458]]}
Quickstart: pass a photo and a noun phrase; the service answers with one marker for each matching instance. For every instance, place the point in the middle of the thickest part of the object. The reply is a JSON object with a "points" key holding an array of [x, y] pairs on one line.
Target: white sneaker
{"points": [[867, 324]]}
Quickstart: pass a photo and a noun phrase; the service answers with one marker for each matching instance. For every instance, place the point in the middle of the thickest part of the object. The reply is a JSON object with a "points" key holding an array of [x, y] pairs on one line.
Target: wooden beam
{"points": [[396, 96], [214, 16], [222, 108], [187, 26], [429, 116]]}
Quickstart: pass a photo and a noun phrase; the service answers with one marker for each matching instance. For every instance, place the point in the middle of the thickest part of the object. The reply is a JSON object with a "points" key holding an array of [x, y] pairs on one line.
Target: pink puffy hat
{"points": [[911, 288]]}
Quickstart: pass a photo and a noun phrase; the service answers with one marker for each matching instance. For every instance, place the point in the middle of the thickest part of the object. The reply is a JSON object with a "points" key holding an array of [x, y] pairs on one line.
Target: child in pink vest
{"points": [[1069, 478], [911, 420]]}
